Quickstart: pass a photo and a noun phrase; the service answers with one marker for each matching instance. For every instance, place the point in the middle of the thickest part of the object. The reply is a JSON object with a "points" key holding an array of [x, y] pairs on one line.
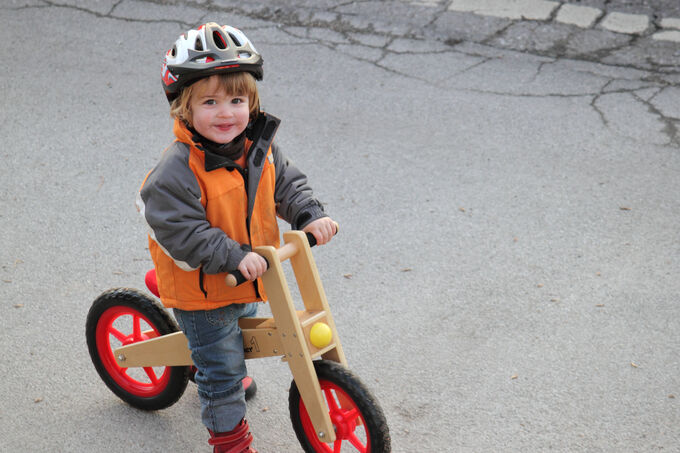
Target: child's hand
{"points": [[323, 230], [252, 266]]}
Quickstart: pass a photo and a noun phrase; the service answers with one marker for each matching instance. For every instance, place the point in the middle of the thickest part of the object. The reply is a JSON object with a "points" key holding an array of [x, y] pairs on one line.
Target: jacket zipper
{"points": [[244, 175], [200, 282]]}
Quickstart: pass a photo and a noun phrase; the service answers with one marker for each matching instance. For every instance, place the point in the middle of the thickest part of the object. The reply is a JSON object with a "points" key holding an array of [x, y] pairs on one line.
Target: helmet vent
{"points": [[236, 40], [219, 40], [173, 52], [199, 44]]}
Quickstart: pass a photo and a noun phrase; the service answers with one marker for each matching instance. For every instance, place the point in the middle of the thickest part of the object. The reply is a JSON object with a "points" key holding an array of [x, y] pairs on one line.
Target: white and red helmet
{"points": [[210, 49]]}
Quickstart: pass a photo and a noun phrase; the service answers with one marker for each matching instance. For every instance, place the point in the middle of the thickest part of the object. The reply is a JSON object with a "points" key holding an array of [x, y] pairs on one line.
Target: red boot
{"points": [[237, 440], [249, 386]]}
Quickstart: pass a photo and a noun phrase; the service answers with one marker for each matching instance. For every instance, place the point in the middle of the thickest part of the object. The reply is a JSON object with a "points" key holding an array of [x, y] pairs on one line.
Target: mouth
{"points": [[224, 127]]}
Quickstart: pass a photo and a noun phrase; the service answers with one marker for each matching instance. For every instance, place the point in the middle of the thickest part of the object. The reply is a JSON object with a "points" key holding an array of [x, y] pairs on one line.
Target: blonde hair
{"points": [[234, 84]]}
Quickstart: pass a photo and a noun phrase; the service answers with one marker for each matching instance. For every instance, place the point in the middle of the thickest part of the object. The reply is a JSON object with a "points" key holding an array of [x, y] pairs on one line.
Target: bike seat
{"points": [[151, 283]]}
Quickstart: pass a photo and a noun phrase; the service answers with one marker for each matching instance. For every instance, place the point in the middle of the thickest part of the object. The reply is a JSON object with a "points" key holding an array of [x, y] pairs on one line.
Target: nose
{"points": [[225, 111]]}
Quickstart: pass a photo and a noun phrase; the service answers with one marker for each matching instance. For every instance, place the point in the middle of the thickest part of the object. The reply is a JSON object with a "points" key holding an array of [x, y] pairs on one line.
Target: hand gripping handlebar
{"points": [[235, 278]]}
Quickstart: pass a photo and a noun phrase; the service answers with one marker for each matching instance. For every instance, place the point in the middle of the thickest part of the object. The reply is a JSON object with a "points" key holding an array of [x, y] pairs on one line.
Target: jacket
{"points": [[205, 213]]}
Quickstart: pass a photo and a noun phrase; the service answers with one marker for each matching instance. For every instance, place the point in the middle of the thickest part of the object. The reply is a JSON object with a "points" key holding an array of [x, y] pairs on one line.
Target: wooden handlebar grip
{"points": [[235, 278]]}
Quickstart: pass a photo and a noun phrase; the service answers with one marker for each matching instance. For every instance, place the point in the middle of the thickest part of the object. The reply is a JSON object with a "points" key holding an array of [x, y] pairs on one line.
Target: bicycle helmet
{"points": [[210, 49]]}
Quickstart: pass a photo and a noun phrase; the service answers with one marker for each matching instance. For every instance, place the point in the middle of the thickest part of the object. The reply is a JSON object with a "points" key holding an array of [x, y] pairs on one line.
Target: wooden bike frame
{"points": [[285, 334]]}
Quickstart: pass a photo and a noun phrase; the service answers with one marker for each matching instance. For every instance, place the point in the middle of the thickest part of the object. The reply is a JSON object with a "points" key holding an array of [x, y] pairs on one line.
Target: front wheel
{"points": [[358, 420], [123, 316]]}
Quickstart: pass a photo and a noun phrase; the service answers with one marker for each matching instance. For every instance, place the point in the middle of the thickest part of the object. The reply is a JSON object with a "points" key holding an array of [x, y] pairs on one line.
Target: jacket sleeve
{"points": [[293, 196], [170, 202]]}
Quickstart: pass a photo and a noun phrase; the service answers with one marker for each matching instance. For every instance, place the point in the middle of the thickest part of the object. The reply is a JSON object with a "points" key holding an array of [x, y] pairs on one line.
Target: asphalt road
{"points": [[506, 277]]}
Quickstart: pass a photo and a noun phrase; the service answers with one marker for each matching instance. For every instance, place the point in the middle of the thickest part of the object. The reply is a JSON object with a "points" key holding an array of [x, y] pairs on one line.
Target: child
{"points": [[214, 195]]}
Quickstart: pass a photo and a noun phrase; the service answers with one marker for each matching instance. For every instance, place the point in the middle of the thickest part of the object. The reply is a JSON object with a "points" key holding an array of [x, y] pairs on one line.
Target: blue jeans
{"points": [[216, 346]]}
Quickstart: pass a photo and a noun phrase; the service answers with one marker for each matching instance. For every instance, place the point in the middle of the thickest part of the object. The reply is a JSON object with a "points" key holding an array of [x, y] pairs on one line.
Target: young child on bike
{"points": [[215, 195]]}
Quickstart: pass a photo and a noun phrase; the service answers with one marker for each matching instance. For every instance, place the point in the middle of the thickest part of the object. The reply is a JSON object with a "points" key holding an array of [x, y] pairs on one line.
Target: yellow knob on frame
{"points": [[320, 335]]}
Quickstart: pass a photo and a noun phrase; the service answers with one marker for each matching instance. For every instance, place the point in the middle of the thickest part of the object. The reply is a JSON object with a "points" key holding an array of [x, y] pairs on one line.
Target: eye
{"points": [[210, 102], [239, 100]]}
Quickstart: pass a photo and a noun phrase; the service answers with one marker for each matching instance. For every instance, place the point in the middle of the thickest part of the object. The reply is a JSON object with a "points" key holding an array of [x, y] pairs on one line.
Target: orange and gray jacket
{"points": [[205, 213]]}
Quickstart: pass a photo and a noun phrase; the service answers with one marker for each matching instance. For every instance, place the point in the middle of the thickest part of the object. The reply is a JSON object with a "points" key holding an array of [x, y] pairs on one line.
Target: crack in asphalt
{"points": [[593, 105], [289, 20], [108, 15], [670, 125]]}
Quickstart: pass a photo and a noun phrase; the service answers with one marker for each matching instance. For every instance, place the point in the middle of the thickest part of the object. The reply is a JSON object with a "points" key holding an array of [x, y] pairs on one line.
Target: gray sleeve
{"points": [[293, 195], [170, 202]]}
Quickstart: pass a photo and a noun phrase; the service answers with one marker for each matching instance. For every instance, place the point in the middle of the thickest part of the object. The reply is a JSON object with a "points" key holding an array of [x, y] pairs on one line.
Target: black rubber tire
{"points": [[102, 310], [375, 425]]}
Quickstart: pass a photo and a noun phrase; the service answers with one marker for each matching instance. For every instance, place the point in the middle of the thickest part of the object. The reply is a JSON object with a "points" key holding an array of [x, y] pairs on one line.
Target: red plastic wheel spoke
{"points": [[152, 375], [337, 446], [354, 440], [137, 328], [120, 336], [331, 401]]}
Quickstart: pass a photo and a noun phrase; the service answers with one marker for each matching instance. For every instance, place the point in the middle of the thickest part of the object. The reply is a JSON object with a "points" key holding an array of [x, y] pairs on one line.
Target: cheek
{"points": [[244, 115], [198, 116]]}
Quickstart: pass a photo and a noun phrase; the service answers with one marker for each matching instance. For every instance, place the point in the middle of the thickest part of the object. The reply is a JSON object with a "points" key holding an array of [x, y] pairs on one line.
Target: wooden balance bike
{"points": [[142, 356]]}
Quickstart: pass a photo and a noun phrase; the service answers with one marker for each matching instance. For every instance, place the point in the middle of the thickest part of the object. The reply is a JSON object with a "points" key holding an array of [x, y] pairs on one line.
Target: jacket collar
{"points": [[259, 137], [213, 161]]}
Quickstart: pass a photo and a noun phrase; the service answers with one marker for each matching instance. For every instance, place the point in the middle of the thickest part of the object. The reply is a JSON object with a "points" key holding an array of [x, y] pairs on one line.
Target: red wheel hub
{"points": [[351, 433], [124, 325]]}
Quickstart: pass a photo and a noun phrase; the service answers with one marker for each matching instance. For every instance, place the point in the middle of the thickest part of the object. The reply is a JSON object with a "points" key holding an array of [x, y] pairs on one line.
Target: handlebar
{"points": [[235, 278]]}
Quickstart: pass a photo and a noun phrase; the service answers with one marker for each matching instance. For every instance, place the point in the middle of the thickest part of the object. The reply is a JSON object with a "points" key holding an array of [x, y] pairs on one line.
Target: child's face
{"points": [[216, 115]]}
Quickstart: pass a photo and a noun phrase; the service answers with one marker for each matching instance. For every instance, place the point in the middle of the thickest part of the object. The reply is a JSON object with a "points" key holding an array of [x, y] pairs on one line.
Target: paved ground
{"points": [[506, 276], [654, 46]]}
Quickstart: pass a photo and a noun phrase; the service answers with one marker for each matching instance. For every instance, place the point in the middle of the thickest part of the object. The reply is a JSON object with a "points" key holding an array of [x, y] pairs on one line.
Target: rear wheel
{"points": [[358, 420], [123, 316]]}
